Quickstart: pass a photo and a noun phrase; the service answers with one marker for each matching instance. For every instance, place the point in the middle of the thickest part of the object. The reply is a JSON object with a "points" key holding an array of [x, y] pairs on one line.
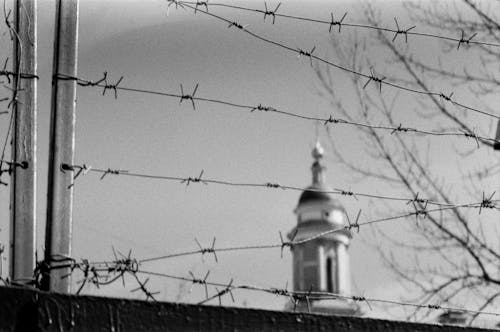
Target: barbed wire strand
{"points": [[486, 202], [377, 79], [340, 23], [259, 107], [304, 296], [419, 212], [283, 244]]}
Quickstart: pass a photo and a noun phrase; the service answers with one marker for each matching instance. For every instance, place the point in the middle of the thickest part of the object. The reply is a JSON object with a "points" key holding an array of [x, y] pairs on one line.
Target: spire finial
{"points": [[318, 150], [318, 175]]}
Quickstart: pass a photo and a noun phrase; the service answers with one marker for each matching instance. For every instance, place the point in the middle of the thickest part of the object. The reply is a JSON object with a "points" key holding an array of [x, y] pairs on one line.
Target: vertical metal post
{"points": [[23, 181], [62, 144]]}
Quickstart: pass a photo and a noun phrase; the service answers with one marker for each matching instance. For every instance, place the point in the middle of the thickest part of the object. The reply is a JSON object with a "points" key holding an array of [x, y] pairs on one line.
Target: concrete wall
{"points": [[30, 310]]}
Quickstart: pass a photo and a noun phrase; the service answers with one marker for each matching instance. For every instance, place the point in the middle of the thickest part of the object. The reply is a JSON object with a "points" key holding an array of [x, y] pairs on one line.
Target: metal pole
{"points": [[23, 181], [62, 145]]}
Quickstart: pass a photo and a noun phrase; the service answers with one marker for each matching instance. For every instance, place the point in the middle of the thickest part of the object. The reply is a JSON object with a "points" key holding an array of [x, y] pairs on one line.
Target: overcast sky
{"points": [[153, 134]]}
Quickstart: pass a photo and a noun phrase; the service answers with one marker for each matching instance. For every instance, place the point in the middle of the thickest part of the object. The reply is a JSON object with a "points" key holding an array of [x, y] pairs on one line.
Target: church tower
{"points": [[323, 263]]}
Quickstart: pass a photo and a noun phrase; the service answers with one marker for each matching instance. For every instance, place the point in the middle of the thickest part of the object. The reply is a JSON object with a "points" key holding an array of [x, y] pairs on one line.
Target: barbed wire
{"points": [[486, 201], [421, 213], [306, 296], [105, 274], [378, 80], [331, 22], [331, 120], [10, 74]]}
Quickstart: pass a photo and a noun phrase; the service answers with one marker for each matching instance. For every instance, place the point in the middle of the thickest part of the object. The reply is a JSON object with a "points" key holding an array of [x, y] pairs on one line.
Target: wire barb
{"points": [[109, 86], [347, 193], [473, 135], [189, 180], [306, 296], [200, 282], [416, 199], [361, 299], [464, 40], [287, 243], [272, 13], [422, 211], [112, 171], [434, 306], [187, 96], [334, 23], [400, 128], [210, 250], [295, 299], [307, 54], [331, 119], [177, 4], [487, 202], [235, 24], [375, 79], [446, 97], [227, 290], [220, 293], [123, 264], [262, 108], [142, 288], [280, 291], [400, 31], [201, 4], [354, 224]]}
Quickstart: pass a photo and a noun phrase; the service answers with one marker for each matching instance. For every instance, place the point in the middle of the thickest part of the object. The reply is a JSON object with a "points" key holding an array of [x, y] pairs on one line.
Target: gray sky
{"points": [[156, 135]]}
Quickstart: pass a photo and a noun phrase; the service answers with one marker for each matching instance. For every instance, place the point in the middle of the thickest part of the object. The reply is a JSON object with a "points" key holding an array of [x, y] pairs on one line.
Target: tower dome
{"points": [[316, 202]]}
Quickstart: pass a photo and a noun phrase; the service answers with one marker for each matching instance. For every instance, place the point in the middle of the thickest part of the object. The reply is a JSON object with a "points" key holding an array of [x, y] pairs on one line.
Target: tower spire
{"points": [[318, 174]]}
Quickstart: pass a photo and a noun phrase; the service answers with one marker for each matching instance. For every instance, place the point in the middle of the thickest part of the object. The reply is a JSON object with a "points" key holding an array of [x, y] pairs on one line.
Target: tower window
{"points": [[310, 278], [310, 267], [329, 275]]}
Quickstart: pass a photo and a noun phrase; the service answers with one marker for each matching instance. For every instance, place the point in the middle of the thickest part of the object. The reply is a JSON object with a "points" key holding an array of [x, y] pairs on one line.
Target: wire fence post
{"points": [[24, 108], [62, 144]]}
